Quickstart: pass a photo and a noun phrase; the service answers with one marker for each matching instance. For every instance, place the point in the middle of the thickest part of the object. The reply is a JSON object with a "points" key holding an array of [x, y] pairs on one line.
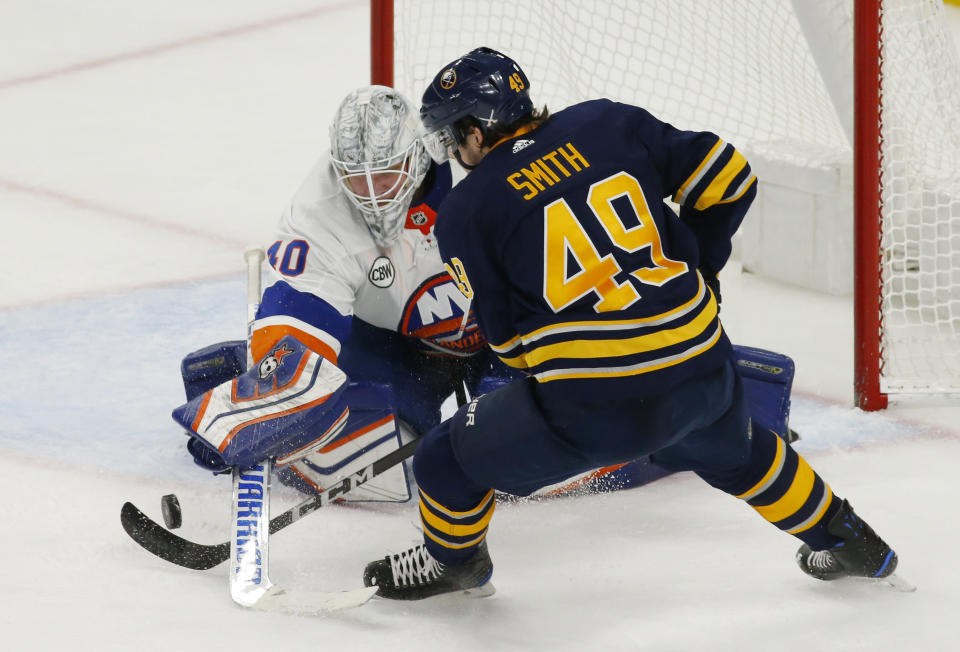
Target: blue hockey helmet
{"points": [[484, 84]]}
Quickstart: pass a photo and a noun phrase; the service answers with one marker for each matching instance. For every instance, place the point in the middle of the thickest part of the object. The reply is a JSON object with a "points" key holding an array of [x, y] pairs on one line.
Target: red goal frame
{"points": [[867, 204], [381, 42]]}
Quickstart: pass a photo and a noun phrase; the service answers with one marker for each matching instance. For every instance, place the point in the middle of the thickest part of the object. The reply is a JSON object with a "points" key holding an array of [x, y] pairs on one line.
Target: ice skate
{"points": [[414, 575], [861, 553]]}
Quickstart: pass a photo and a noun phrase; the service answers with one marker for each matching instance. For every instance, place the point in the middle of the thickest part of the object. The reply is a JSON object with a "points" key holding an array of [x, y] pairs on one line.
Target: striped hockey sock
{"points": [[452, 536], [783, 489]]}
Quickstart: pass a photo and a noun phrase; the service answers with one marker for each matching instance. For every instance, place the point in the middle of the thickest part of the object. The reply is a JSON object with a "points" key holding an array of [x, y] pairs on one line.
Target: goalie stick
{"points": [[163, 543], [250, 508]]}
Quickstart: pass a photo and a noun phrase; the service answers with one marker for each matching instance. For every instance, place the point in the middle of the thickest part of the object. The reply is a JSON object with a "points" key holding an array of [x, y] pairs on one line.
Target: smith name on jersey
{"points": [[578, 269], [326, 269]]}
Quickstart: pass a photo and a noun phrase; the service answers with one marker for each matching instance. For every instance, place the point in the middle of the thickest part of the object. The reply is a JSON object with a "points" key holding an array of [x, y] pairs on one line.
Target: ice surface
{"points": [[142, 145]]}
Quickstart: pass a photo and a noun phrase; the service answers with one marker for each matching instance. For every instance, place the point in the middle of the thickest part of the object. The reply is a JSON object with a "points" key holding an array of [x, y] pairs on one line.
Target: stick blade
{"points": [[166, 545], [312, 602]]}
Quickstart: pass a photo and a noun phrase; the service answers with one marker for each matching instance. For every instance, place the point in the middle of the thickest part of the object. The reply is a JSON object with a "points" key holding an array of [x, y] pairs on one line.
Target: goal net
{"points": [[774, 77], [919, 224]]}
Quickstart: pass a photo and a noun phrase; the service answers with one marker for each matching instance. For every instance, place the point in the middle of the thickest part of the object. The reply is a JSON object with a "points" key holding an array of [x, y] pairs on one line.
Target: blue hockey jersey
{"points": [[577, 269]]}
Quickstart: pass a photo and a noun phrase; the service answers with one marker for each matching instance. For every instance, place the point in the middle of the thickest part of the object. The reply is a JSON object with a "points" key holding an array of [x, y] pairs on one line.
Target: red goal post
{"points": [[381, 42], [849, 104], [867, 215], [907, 202]]}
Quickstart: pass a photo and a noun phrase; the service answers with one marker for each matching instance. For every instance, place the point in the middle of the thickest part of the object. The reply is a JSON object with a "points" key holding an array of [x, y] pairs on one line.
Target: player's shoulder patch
{"points": [[421, 218]]}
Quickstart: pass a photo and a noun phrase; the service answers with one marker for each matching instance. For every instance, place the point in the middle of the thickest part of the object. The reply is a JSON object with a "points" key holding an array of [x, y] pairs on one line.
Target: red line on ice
{"points": [[161, 48], [119, 213]]}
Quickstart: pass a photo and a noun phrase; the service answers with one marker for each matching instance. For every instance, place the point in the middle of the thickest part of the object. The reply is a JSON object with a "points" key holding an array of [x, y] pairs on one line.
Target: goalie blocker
{"points": [[270, 411]]}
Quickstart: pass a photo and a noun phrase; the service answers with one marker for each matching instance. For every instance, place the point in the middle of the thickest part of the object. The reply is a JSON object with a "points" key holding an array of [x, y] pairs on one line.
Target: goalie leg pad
{"points": [[371, 432], [767, 381]]}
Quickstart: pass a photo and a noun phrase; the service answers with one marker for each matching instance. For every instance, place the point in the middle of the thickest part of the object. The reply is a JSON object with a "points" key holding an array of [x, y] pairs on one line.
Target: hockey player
{"points": [[356, 278], [583, 277]]}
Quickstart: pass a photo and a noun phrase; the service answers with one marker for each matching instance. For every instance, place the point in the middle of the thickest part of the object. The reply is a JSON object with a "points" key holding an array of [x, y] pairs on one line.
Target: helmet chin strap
{"points": [[456, 155]]}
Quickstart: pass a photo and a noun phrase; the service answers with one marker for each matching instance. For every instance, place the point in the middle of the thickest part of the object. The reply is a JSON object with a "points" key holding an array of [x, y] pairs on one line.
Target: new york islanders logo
{"points": [[272, 361], [435, 315]]}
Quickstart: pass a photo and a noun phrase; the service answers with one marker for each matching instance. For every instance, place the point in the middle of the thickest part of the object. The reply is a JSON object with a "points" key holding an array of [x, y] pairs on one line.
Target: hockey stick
{"points": [[250, 506], [163, 543]]}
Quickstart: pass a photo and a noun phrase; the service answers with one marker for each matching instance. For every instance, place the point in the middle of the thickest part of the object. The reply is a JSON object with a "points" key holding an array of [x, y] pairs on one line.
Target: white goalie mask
{"points": [[377, 152]]}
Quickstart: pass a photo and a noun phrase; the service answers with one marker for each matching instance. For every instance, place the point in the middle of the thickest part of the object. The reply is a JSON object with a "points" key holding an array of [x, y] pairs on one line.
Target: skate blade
{"points": [[894, 582], [898, 583], [482, 591]]}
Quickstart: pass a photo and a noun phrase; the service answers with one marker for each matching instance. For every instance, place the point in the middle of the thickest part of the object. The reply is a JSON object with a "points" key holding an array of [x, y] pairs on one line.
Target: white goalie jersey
{"points": [[326, 268]]}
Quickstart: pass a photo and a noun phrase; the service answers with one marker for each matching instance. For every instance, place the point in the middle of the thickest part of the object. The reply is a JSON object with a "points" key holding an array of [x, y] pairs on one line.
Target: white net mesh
{"points": [[671, 57], [921, 201], [774, 77]]}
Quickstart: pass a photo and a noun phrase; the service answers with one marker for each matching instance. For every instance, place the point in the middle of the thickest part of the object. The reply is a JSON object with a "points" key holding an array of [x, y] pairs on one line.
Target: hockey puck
{"points": [[170, 507]]}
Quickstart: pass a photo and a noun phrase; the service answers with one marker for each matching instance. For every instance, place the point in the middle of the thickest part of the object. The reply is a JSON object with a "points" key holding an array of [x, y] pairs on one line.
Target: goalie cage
{"points": [[880, 217]]}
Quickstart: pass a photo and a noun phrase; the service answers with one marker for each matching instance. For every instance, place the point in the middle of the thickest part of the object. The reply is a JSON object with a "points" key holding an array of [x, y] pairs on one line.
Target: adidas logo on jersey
{"points": [[521, 144]]}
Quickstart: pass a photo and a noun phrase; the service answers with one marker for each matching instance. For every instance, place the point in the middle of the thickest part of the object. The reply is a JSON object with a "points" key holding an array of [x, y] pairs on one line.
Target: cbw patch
{"points": [[382, 272]]}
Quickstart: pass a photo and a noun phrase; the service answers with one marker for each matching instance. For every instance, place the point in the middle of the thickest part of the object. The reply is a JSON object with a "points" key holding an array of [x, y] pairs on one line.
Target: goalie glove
{"points": [[289, 403]]}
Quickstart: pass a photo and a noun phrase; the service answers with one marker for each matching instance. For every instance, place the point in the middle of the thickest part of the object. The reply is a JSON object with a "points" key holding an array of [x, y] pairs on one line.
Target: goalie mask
{"points": [[376, 150]]}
